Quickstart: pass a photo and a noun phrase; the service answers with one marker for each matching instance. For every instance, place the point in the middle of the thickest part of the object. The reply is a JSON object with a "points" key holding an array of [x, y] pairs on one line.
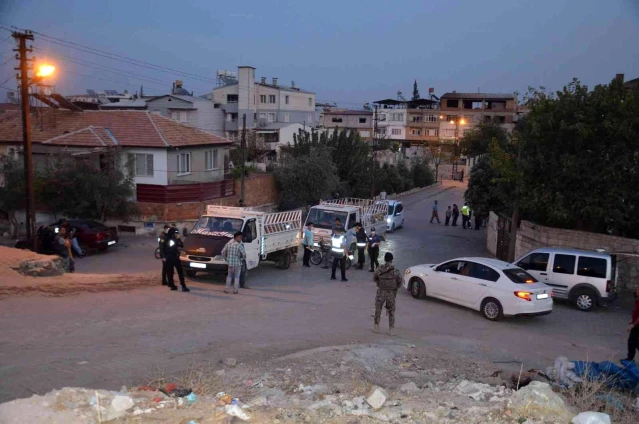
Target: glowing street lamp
{"points": [[45, 70]]}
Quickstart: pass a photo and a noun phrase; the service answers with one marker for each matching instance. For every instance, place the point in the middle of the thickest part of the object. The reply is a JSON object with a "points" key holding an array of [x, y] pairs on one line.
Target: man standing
{"points": [[435, 213], [63, 248], [234, 255], [339, 251], [171, 257], [455, 215], [477, 221], [388, 280], [161, 241], [362, 240], [449, 213], [633, 329], [75, 246], [307, 242], [465, 211], [373, 249], [382, 195]]}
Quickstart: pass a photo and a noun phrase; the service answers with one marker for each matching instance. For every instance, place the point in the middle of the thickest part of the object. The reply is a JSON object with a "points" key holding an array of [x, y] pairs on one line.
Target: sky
{"points": [[348, 52]]}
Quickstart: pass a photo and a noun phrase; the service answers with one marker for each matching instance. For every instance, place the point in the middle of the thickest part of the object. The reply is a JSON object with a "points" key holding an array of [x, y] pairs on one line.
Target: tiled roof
{"points": [[486, 96], [90, 128]]}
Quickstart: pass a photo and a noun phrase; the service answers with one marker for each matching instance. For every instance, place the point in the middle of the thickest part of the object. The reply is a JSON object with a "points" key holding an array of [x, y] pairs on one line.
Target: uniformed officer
{"points": [[388, 280], [171, 256], [373, 249], [466, 214], [161, 240], [362, 239], [339, 251]]}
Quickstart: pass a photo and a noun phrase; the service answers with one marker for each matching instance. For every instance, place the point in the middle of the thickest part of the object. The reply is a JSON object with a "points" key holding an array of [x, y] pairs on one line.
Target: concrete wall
{"points": [[491, 238], [204, 116], [199, 173]]}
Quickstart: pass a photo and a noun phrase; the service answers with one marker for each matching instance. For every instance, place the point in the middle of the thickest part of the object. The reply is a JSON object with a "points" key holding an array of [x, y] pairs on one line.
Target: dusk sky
{"points": [[346, 51]]}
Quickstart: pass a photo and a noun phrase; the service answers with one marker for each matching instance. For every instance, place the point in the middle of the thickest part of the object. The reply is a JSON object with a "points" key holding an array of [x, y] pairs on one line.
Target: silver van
{"points": [[584, 278]]}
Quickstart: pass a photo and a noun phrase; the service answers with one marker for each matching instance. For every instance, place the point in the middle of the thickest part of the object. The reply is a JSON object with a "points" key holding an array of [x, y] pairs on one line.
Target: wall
{"points": [[199, 173], [163, 104], [491, 238]]}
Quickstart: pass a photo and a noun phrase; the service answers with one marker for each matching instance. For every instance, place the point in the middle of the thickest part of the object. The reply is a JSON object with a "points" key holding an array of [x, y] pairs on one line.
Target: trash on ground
{"points": [[591, 418], [563, 372], [626, 377], [236, 411]]}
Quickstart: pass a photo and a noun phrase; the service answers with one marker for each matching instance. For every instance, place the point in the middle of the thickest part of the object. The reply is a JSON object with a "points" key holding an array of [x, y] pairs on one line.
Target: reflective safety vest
{"points": [[465, 210], [337, 245]]}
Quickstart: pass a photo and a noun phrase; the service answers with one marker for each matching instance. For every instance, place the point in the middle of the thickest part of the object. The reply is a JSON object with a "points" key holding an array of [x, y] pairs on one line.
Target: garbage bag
{"points": [[624, 377], [591, 418]]}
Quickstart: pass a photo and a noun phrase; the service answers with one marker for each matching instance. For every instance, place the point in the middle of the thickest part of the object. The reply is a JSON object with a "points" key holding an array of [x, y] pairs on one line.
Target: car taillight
{"points": [[524, 295], [99, 236], [552, 293]]}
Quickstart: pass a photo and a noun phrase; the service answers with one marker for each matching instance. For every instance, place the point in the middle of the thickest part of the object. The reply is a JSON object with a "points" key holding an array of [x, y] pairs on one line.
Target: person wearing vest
{"points": [[388, 279], [362, 241], [465, 211], [338, 224], [373, 249], [340, 252], [161, 240]]}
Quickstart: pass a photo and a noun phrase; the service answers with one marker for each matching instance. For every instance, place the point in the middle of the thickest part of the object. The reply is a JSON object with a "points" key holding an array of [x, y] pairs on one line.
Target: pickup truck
{"points": [[267, 237]]}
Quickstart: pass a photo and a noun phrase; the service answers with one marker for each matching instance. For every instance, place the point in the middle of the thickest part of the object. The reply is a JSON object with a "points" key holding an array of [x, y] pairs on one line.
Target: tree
{"points": [[476, 142], [436, 155], [415, 92], [12, 190]]}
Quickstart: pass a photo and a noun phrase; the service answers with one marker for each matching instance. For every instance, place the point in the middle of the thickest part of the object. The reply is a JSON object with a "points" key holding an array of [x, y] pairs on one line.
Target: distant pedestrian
{"points": [[466, 212], [455, 215], [382, 195], [307, 243], [63, 249], [235, 255], [170, 254], [449, 213], [435, 214], [388, 280], [633, 329], [373, 249]]}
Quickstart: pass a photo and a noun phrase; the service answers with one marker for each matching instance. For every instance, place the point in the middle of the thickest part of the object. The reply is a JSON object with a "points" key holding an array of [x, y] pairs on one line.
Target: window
{"points": [[452, 103], [396, 131], [416, 132], [210, 159], [431, 118], [263, 116], [179, 115], [448, 132], [287, 117], [250, 231], [487, 118], [183, 163], [518, 276], [262, 98], [398, 117], [534, 262], [271, 116], [141, 164], [453, 267], [416, 119], [352, 220], [271, 98], [481, 272], [286, 99], [310, 102], [564, 264], [450, 118], [432, 132], [362, 120], [398, 209], [501, 119], [592, 267], [232, 98], [381, 130], [336, 120]]}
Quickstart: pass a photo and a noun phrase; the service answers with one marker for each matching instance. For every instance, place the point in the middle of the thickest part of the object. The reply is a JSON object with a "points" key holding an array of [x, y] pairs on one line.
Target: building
{"points": [[358, 120], [160, 151], [196, 112], [262, 102]]}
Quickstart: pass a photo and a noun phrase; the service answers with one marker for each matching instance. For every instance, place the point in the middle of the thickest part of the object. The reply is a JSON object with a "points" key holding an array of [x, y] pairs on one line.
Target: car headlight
{"points": [[218, 258], [388, 220], [407, 272]]}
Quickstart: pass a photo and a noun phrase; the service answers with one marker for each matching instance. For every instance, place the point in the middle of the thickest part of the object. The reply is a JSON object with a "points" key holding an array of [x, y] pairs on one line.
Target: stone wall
{"points": [[532, 236]]}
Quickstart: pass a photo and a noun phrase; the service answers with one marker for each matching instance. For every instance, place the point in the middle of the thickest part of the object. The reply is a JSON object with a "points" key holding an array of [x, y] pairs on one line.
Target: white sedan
{"points": [[493, 287]]}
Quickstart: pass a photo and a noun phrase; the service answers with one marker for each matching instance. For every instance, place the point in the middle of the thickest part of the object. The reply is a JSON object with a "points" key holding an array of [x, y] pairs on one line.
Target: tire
{"points": [[316, 258], [190, 273], [417, 288], [285, 259], [157, 253], [392, 230], [491, 309], [584, 299], [85, 249]]}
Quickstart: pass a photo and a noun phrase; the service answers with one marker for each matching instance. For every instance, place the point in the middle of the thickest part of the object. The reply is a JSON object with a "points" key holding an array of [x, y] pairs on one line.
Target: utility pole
{"points": [[374, 152], [243, 145], [22, 50]]}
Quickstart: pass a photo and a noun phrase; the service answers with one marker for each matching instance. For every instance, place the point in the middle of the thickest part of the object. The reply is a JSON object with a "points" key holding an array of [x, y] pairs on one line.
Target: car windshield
{"points": [[322, 218], [210, 224], [391, 209], [519, 276]]}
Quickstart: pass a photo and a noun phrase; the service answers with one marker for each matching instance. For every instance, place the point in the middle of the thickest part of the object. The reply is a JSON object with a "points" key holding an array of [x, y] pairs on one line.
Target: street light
{"points": [[45, 70]]}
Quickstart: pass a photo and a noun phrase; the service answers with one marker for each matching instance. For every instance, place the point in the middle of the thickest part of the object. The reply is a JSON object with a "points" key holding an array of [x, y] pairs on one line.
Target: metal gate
{"points": [[504, 228]]}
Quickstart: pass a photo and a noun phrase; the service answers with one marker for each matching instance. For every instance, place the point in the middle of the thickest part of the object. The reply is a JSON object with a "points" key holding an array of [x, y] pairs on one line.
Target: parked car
{"points": [[493, 287], [395, 217], [584, 278], [91, 236]]}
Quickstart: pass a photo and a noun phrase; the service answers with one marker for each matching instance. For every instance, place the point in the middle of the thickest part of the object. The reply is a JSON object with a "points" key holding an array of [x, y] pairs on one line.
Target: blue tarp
{"points": [[622, 377]]}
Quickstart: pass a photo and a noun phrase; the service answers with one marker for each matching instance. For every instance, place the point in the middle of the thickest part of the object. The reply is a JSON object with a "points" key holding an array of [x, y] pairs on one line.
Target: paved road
{"points": [[115, 338]]}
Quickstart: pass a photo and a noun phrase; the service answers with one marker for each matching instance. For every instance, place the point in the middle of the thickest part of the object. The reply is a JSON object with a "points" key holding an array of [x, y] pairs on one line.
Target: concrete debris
{"points": [[409, 387], [591, 418], [482, 392], [376, 397], [230, 362], [538, 398]]}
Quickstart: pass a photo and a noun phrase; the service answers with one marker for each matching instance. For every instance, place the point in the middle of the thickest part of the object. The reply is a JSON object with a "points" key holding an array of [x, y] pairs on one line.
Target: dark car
{"points": [[91, 236]]}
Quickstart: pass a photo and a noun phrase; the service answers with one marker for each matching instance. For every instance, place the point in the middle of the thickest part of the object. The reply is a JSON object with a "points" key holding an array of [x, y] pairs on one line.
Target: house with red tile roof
{"points": [[159, 150]]}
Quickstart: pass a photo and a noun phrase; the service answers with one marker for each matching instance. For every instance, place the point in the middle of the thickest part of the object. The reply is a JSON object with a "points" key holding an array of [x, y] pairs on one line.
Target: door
{"points": [[398, 218], [445, 280], [536, 264], [561, 277], [251, 243], [474, 281]]}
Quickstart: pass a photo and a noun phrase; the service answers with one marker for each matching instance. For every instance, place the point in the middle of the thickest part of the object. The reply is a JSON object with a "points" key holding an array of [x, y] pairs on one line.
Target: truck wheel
{"points": [[190, 273], [316, 257], [285, 259], [585, 300]]}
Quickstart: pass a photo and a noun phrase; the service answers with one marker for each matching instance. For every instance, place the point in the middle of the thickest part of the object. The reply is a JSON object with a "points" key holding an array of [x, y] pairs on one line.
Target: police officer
{"points": [[339, 251], [336, 225], [170, 255], [388, 279], [161, 240], [373, 249], [362, 240], [466, 213]]}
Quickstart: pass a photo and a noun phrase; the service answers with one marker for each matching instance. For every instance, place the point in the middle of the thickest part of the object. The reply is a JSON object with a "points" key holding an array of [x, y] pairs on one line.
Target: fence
{"points": [[185, 192]]}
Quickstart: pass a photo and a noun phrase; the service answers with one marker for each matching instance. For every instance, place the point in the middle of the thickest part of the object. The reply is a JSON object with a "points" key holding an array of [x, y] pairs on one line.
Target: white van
{"points": [[584, 278]]}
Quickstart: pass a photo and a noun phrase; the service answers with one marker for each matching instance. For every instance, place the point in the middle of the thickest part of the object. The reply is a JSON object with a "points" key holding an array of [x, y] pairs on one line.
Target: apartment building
{"points": [[414, 122], [342, 119], [263, 102]]}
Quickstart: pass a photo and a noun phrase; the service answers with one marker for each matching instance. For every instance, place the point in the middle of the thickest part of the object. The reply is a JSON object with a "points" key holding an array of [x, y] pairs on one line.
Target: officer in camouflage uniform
{"points": [[388, 280]]}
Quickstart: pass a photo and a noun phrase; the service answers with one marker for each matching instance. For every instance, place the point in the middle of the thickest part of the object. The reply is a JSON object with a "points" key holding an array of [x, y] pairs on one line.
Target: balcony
{"points": [[414, 124], [229, 107]]}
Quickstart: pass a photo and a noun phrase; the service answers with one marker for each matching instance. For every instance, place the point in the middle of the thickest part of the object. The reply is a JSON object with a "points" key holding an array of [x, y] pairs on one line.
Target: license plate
{"points": [[542, 296], [112, 242], [197, 265]]}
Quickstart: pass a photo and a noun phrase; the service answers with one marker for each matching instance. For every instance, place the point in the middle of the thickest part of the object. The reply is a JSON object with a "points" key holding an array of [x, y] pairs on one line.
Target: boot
{"points": [[376, 328], [173, 287], [391, 331], [185, 288]]}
